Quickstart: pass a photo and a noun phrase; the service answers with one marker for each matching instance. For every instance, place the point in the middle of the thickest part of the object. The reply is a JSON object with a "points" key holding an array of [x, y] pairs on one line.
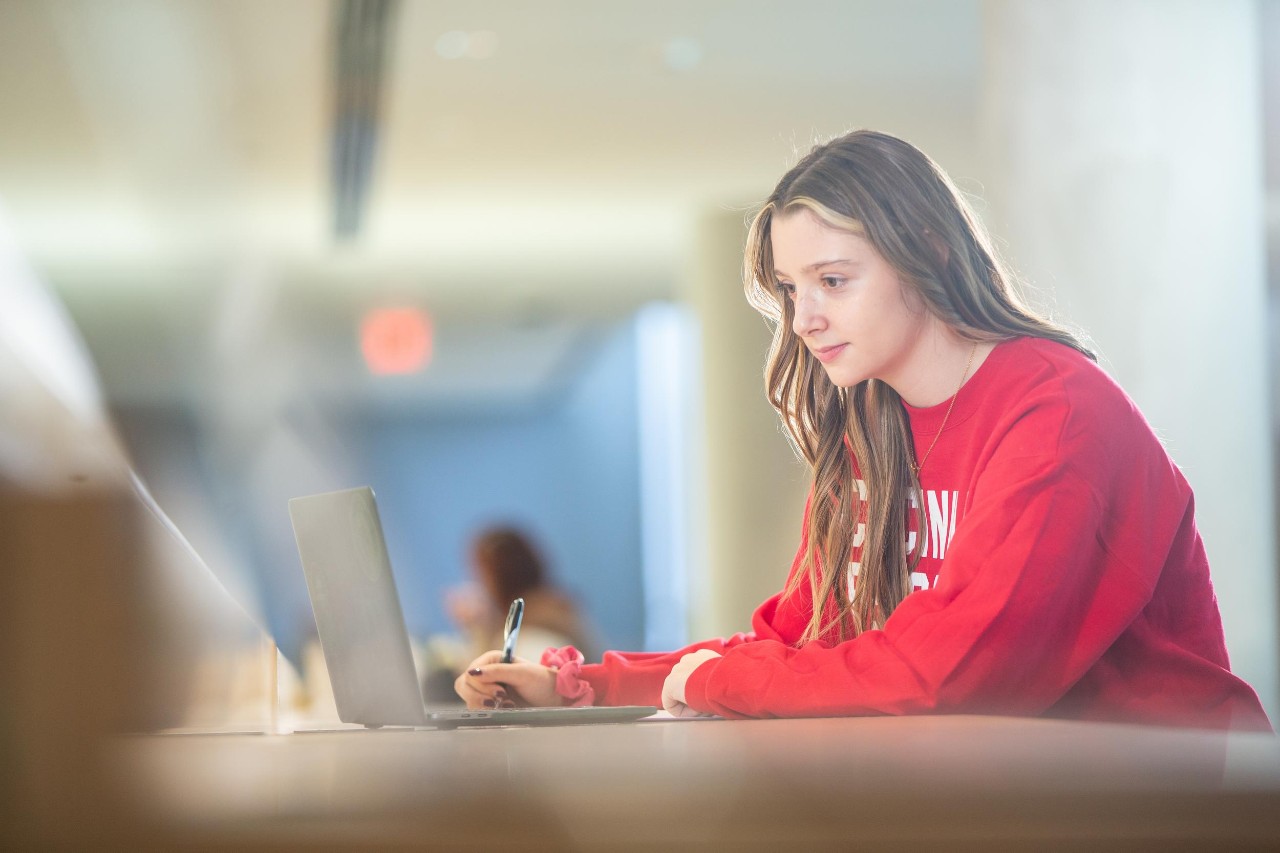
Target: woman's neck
{"points": [[939, 366]]}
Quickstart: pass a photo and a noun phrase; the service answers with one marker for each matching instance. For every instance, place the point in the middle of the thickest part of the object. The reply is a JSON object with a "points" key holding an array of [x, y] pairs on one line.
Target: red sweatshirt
{"points": [[1062, 576]]}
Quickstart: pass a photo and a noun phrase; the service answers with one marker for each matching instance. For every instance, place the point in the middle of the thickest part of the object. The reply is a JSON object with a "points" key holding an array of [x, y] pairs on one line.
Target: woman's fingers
{"points": [[476, 688], [487, 680]]}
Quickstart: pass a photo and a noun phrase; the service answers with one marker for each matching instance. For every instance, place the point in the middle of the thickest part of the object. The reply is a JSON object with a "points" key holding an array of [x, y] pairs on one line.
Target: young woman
{"points": [[992, 527]]}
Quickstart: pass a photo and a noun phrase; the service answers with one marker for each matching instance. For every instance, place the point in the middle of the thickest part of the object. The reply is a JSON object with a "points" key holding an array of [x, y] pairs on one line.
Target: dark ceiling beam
{"points": [[360, 47]]}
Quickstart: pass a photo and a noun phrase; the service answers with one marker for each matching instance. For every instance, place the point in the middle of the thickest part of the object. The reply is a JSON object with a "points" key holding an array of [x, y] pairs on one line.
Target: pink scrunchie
{"points": [[567, 662]]}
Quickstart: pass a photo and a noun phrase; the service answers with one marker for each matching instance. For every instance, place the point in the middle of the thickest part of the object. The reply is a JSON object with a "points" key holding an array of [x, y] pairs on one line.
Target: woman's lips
{"points": [[826, 354]]}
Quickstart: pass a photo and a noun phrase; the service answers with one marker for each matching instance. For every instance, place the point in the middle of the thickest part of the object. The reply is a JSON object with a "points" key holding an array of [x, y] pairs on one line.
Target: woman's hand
{"points": [[673, 687], [490, 683]]}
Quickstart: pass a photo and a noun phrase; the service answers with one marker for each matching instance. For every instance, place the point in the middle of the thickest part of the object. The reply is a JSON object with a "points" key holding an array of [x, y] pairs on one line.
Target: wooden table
{"points": [[954, 783], [82, 655]]}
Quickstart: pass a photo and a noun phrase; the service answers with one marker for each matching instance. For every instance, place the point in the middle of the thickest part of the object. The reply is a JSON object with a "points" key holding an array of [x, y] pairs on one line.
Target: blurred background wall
{"points": [[484, 257]]}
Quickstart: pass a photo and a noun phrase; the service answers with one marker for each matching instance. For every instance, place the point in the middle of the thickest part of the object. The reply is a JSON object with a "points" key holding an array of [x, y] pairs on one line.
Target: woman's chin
{"points": [[843, 378]]}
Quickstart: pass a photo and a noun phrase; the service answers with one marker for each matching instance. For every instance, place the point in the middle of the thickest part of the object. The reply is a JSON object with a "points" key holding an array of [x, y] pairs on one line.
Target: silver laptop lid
{"points": [[357, 611]]}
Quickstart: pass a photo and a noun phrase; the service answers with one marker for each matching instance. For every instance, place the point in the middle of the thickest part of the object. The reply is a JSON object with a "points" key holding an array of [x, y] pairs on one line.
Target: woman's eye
{"points": [[787, 289], [832, 281]]}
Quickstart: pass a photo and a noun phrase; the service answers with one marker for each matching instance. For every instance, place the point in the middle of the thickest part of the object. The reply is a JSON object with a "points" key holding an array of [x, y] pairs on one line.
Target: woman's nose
{"points": [[808, 315]]}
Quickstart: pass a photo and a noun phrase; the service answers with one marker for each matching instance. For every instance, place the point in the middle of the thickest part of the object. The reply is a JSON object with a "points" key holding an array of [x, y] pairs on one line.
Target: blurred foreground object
{"points": [[109, 621]]}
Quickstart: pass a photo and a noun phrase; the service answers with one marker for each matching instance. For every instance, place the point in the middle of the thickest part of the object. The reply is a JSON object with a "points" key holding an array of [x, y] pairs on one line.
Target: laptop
{"points": [[362, 630]]}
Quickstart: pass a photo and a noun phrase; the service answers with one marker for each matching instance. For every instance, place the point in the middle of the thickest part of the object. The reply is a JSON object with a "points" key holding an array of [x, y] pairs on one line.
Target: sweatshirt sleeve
{"points": [[1033, 590], [635, 678]]}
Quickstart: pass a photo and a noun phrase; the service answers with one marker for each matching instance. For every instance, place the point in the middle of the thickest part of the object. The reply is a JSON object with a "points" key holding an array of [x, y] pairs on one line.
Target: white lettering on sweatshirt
{"points": [[943, 512]]}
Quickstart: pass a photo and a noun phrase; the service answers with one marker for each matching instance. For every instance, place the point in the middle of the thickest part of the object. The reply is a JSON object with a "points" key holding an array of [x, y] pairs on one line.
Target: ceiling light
{"points": [[457, 44], [452, 45], [682, 53]]}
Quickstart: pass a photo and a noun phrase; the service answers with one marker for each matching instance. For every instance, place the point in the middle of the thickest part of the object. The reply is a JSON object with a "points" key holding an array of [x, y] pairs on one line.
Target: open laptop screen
{"points": [[358, 616]]}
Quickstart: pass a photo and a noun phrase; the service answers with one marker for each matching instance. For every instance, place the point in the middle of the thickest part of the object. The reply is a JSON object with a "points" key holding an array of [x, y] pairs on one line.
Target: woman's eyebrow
{"points": [[820, 264], [817, 265]]}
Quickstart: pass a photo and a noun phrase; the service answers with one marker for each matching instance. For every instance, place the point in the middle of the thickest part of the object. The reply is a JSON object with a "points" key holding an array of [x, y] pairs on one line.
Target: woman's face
{"points": [[482, 570], [851, 309]]}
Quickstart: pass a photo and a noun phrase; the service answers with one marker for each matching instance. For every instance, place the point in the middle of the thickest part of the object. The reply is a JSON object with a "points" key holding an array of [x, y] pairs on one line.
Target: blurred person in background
{"points": [[992, 525], [506, 565]]}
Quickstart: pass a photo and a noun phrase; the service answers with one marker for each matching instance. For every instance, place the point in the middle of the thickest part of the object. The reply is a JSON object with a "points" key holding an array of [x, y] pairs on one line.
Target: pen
{"points": [[512, 630]]}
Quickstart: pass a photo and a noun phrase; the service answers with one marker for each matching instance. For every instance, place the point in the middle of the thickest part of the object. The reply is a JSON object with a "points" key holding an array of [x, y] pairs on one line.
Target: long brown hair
{"points": [[508, 564], [892, 194]]}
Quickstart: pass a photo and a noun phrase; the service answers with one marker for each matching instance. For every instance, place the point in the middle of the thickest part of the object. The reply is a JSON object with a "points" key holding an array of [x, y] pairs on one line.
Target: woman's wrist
{"points": [[566, 665], [675, 695]]}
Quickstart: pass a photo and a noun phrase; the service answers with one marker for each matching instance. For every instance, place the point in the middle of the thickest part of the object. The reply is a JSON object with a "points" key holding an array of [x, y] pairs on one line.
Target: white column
{"points": [[1125, 174], [750, 513]]}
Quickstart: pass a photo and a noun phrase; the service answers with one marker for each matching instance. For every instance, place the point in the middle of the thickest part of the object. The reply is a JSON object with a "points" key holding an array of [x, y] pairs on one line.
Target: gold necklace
{"points": [[945, 417]]}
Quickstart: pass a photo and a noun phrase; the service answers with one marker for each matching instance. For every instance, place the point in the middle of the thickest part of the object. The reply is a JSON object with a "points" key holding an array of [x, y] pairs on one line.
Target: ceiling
{"points": [[539, 166], [151, 146]]}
